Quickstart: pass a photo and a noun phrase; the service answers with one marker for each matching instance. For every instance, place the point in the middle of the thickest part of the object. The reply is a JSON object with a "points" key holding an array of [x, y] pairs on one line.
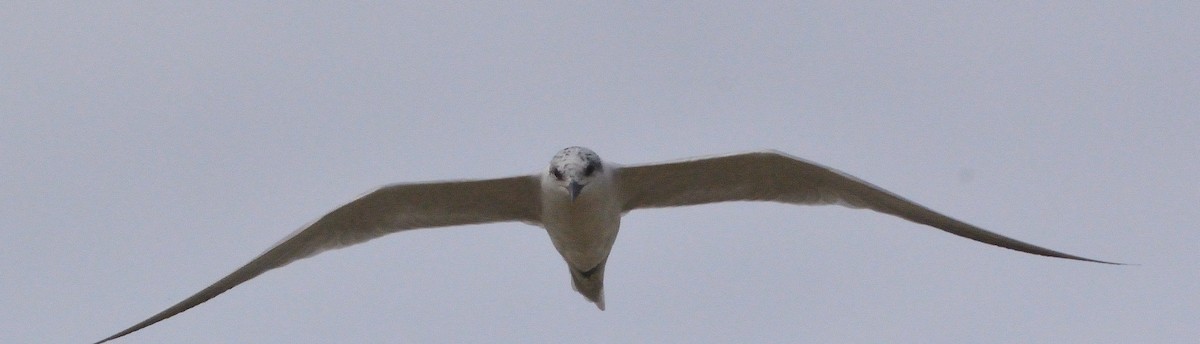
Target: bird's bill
{"points": [[574, 188]]}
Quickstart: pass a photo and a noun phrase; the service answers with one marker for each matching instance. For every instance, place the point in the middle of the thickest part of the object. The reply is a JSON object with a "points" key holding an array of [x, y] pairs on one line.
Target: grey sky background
{"points": [[147, 149]]}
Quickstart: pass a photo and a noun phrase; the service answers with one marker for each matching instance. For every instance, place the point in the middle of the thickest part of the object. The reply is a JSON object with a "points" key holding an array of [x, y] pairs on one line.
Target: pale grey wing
{"points": [[778, 177], [387, 210]]}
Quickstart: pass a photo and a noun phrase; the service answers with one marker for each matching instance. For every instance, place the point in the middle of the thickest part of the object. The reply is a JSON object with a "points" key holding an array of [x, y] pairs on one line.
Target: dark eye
{"points": [[557, 174], [589, 169]]}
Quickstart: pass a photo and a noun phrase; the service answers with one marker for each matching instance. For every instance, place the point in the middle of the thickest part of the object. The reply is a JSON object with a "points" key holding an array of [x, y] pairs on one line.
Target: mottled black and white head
{"points": [[573, 168]]}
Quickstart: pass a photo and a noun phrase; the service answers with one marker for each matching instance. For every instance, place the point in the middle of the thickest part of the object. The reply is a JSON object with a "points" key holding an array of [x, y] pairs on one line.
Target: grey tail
{"points": [[590, 283]]}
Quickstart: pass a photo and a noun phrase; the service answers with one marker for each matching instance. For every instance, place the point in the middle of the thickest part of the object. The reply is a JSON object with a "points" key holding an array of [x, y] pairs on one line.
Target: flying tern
{"points": [[579, 200]]}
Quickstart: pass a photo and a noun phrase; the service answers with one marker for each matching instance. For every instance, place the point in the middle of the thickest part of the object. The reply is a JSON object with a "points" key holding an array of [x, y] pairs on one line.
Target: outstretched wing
{"points": [[778, 177], [387, 210]]}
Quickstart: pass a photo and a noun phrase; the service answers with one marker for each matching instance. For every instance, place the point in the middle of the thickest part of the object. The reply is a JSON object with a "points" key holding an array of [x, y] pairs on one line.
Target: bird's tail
{"points": [[590, 283]]}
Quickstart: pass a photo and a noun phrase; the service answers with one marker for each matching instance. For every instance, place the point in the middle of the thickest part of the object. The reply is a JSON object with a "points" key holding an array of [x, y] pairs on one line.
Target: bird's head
{"points": [[573, 168]]}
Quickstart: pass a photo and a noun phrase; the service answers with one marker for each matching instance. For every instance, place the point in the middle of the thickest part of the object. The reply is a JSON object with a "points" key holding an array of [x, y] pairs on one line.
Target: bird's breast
{"points": [[583, 230]]}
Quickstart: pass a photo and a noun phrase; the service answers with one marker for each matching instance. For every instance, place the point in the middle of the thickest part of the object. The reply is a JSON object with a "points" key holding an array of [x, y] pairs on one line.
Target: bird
{"points": [[579, 200]]}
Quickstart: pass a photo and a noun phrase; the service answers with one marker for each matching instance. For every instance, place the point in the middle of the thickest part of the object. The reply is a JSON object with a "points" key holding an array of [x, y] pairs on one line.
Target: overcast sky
{"points": [[147, 149]]}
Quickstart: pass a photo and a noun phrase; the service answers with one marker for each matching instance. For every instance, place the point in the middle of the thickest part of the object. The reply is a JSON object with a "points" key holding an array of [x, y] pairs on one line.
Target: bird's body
{"points": [[583, 232], [579, 200], [583, 227]]}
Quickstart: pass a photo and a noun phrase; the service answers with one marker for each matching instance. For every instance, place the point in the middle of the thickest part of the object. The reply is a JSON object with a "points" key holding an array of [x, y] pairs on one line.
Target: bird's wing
{"points": [[778, 177], [387, 210]]}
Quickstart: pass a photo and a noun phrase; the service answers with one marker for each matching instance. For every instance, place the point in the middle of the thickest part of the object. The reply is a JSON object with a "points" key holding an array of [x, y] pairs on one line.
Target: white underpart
{"points": [[583, 230]]}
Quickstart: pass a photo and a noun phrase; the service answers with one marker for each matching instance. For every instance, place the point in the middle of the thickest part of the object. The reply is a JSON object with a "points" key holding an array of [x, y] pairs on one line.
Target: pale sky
{"points": [[146, 150]]}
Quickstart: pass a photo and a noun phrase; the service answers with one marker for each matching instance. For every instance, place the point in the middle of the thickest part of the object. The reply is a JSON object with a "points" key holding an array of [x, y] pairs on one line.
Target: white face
{"points": [[573, 168]]}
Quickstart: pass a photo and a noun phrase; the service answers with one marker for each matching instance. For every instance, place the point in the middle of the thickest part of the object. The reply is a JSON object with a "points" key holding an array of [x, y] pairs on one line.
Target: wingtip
{"points": [[115, 336], [1115, 263], [1073, 257]]}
